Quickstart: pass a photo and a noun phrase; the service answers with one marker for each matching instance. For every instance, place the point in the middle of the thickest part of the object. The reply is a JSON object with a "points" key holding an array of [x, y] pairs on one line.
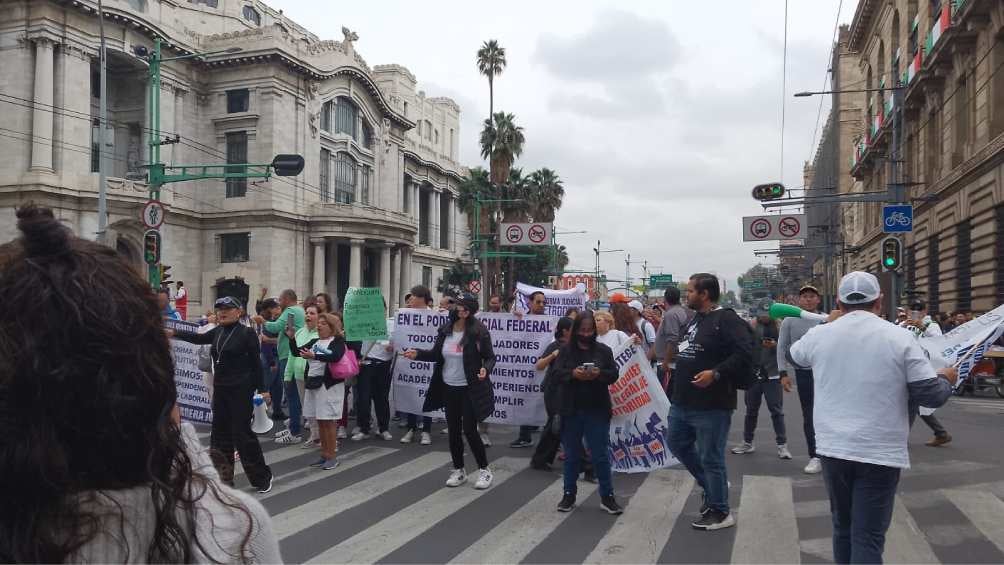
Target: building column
{"points": [[41, 121], [406, 282], [416, 191], [356, 262], [319, 266], [453, 223], [394, 299], [358, 194], [437, 221], [385, 274]]}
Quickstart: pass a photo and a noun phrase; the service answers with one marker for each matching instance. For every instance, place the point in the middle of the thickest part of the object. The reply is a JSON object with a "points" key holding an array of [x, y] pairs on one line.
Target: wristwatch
{"points": [[716, 376]]}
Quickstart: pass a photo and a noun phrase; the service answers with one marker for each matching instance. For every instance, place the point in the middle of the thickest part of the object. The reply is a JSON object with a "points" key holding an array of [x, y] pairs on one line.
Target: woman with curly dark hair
{"points": [[95, 464]]}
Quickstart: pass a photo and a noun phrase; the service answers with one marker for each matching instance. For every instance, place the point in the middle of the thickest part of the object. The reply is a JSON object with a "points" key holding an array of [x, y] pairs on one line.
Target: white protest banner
{"points": [[964, 346], [518, 343], [193, 394], [558, 301], [414, 329], [640, 415]]}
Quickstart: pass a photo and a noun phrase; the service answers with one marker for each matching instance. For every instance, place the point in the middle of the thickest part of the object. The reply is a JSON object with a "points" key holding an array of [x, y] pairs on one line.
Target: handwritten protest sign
{"points": [[640, 413], [364, 315], [557, 301], [193, 394]]}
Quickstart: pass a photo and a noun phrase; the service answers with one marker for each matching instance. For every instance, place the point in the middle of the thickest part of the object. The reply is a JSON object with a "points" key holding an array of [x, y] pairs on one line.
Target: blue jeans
{"points": [[697, 438], [292, 400], [862, 497], [275, 388], [595, 429]]}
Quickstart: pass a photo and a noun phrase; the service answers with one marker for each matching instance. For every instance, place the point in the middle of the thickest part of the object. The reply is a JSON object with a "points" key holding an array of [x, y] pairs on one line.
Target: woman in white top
{"points": [[324, 395], [605, 332]]}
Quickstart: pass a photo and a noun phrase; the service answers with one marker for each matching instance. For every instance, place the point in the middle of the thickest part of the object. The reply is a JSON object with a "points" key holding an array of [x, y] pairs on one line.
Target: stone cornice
{"points": [[862, 23], [432, 164]]}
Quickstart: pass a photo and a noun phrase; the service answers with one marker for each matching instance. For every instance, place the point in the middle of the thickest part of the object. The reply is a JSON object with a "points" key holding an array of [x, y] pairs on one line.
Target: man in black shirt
{"points": [[713, 356]]}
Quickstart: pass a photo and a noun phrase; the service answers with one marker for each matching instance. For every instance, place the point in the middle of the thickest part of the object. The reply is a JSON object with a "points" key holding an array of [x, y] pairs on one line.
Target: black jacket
{"points": [[338, 346], [478, 354], [586, 396], [239, 363], [718, 341]]}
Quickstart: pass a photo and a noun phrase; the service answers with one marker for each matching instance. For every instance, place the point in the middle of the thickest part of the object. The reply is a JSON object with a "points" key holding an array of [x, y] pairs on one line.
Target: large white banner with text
{"points": [[517, 343], [193, 394], [558, 301], [640, 415]]}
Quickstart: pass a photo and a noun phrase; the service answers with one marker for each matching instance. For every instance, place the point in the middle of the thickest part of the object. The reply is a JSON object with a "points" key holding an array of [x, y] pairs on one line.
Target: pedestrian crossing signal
{"points": [[165, 274], [151, 247], [892, 254], [765, 192]]}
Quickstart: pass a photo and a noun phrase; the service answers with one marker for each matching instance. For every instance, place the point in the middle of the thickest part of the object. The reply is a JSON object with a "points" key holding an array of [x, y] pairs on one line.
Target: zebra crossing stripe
{"points": [[516, 536], [641, 533], [767, 530], [984, 510], [904, 542], [296, 479], [274, 457], [324, 507], [369, 545]]}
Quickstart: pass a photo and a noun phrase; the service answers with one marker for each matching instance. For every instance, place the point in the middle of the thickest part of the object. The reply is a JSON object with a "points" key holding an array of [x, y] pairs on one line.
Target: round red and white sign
{"points": [[153, 214], [474, 286], [789, 226], [537, 233], [760, 228], [514, 234]]}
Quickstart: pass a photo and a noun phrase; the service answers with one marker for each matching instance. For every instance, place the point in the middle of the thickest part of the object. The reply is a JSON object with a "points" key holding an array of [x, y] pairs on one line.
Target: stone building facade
{"points": [[947, 57], [374, 206]]}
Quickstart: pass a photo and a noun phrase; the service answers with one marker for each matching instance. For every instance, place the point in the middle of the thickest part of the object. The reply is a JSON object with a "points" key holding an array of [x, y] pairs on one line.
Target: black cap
{"points": [[469, 302], [227, 302]]}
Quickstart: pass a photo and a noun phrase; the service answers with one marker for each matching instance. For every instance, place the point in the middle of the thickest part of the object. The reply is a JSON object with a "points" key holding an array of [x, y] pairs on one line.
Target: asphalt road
{"points": [[387, 502]]}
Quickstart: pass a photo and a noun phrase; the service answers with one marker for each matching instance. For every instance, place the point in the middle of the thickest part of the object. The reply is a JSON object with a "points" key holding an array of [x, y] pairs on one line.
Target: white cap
{"points": [[637, 306], [858, 288]]}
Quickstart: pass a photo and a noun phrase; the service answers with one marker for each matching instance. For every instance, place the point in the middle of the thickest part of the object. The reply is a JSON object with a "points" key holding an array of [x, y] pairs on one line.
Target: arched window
{"points": [[252, 15], [345, 179], [345, 117]]}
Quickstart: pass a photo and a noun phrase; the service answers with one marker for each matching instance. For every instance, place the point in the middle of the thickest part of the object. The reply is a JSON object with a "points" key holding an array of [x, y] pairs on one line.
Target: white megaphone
{"points": [[261, 423]]}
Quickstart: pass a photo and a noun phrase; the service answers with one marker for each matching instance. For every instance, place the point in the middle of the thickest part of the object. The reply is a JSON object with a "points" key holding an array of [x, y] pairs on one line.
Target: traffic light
{"points": [[151, 247], [287, 165], [892, 254], [165, 274], [765, 192]]}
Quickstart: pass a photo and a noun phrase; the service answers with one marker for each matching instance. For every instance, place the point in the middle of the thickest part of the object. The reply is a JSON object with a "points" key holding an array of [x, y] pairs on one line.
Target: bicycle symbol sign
{"points": [[897, 218]]}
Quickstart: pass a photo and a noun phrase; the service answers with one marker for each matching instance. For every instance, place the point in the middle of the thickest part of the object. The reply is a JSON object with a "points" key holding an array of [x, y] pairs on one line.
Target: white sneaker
{"points": [[408, 436], [815, 466], [355, 431], [426, 438], [342, 434], [310, 443], [486, 440], [281, 433], [457, 478], [385, 435], [484, 479], [782, 451], [444, 431], [359, 436], [743, 449], [288, 439]]}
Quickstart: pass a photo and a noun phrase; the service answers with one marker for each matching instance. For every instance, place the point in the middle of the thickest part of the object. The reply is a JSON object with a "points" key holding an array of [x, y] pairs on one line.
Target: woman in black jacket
{"points": [[464, 358], [585, 368], [237, 374], [550, 439]]}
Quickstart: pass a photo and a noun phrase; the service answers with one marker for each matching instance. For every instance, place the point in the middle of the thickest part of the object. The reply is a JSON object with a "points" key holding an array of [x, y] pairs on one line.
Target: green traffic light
{"points": [[889, 261]]}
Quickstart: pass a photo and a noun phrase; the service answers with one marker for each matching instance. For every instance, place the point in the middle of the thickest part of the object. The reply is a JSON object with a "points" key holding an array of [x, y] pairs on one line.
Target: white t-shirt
{"points": [[613, 339], [453, 360], [315, 368], [861, 365]]}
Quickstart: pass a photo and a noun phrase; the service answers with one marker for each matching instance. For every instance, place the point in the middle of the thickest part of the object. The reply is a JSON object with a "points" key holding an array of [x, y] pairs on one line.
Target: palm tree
{"points": [[491, 63], [501, 142], [545, 194]]}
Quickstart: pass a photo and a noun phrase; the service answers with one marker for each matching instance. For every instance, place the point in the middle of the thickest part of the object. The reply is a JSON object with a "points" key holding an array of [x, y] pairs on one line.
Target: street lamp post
{"points": [[597, 250]]}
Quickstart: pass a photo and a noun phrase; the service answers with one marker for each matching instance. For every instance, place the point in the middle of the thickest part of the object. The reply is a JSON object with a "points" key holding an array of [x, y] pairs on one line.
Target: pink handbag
{"points": [[346, 367]]}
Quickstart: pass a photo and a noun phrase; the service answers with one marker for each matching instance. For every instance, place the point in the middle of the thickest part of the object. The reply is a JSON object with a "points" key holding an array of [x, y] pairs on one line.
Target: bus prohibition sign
{"points": [[514, 234]]}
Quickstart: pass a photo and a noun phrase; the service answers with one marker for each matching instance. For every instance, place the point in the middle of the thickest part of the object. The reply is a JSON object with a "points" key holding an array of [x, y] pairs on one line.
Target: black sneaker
{"points": [[540, 466], [268, 486], [610, 506], [714, 520], [567, 503], [521, 443]]}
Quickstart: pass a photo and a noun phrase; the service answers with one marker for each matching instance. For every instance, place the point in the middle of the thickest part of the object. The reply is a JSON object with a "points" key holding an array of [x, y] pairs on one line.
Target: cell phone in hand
{"points": [[289, 322], [588, 366]]}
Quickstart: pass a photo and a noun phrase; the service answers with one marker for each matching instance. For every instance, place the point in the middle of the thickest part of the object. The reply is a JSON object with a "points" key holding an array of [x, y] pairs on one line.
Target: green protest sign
{"points": [[365, 319]]}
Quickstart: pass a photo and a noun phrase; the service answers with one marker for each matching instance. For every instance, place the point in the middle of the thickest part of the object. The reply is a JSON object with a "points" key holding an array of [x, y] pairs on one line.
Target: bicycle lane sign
{"points": [[897, 218]]}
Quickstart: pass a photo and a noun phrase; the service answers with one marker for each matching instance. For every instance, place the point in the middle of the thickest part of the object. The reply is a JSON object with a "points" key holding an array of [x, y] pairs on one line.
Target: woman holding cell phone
{"points": [[585, 369]]}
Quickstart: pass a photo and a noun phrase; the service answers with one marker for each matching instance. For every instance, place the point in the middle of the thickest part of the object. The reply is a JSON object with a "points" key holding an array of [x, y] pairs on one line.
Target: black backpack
{"points": [[746, 377]]}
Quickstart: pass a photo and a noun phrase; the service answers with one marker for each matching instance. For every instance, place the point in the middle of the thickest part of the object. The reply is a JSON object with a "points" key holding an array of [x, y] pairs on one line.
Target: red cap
{"points": [[618, 297]]}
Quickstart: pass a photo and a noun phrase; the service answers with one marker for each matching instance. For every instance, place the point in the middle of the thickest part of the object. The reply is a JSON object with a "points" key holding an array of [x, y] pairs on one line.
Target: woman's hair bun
{"points": [[42, 233]]}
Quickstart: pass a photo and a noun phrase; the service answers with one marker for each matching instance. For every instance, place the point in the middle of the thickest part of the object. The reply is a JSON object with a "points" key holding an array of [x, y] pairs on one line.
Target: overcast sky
{"points": [[659, 116]]}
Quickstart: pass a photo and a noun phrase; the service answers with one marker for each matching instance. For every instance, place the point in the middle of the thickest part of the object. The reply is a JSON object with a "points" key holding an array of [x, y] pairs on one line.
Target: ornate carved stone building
{"points": [[375, 204], [947, 55]]}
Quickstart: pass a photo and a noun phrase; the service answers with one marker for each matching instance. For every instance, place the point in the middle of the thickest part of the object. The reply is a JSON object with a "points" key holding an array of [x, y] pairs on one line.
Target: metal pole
{"points": [[102, 138], [156, 172], [627, 273], [896, 192]]}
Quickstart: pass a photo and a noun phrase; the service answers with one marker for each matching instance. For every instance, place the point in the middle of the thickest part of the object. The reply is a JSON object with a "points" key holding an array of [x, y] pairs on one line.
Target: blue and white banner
{"points": [[640, 415], [193, 394], [558, 301], [964, 346]]}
